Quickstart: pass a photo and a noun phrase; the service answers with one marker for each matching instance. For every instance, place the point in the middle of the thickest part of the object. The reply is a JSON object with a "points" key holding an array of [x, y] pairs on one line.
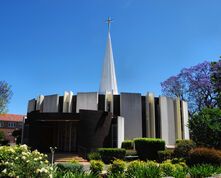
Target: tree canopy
{"points": [[5, 96], [199, 85], [205, 127]]}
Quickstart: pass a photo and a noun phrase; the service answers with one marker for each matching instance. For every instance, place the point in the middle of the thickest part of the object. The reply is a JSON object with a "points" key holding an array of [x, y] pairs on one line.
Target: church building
{"points": [[84, 121]]}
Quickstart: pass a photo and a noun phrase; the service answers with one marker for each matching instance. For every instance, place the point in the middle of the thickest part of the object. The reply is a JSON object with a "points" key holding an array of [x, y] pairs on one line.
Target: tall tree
{"points": [[216, 80], [5, 96], [205, 127], [193, 85]]}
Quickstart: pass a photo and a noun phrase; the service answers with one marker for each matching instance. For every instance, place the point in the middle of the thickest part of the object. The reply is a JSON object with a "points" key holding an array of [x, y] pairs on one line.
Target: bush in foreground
{"points": [[143, 169], [117, 168], [96, 167], [147, 148], [20, 161], [204, 170], [204, 156], [109, 154]]}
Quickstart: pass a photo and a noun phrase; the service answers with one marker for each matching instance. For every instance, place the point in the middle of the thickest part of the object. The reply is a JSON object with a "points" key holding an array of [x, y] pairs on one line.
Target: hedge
{"points": [[147, 148], [73, 167], [128, 144], [109, 154]]}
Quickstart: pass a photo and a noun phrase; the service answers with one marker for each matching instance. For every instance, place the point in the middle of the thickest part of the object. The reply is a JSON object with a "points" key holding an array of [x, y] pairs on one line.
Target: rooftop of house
{"points": [[11, 117]]}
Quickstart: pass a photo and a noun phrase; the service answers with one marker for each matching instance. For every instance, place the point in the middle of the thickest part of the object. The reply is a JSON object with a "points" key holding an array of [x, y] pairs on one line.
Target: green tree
{"points": [[205, 127], [5, 96], [17, 134]]}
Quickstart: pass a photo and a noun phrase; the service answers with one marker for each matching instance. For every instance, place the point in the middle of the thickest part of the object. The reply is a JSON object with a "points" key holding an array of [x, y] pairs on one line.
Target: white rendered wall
{"points": [[120, 131], [185, 118], [87, 101], [50, 103], [31, 105], [131, 110], [67, 102], [150, 116], [39, 103]]}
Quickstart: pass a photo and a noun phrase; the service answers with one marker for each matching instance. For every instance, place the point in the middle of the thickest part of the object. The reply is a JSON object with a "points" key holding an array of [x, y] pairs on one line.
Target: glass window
{"points": [[11, 124]]}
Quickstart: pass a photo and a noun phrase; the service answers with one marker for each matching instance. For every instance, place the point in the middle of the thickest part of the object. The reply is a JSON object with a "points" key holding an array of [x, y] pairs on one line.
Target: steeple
{"points": [[108, 79]]}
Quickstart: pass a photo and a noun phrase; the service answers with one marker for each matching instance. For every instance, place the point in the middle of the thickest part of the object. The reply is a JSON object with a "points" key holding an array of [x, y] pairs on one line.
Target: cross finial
{"points": [[108, 21]]}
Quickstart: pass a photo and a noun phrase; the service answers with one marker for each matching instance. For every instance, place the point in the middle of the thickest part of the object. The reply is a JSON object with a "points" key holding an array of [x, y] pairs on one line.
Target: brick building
{"points": [[9, 123]]}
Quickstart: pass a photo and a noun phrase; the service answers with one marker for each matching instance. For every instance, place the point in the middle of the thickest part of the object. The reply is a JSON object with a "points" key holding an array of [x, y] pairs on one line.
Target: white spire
{"points": [[108, 80]]}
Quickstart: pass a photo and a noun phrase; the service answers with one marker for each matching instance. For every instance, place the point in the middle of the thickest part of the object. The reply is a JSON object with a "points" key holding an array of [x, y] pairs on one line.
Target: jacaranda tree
{"points": [[216, 80], [193, 85]]}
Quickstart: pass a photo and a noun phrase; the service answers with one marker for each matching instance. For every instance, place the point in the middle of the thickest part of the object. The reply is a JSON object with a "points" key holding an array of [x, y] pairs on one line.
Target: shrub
{"points": [[117, 168], [94, 156], [204, 156], [143, 169], [96, 167], [183, 147], [20, 161], [135, 169], [177, 170], [70, 167], [167, 169], [128, 144], [109, 154], [164, 155], [147, 148], [204, 170]]}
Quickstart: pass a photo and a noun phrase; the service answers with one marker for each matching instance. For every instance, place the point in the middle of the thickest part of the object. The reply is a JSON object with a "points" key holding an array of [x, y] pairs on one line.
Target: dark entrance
{"points": [[43, 130]]}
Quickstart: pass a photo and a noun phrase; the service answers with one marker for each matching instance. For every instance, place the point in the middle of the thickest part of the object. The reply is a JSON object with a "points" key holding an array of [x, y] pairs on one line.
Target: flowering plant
{"points": [[20, 161]]}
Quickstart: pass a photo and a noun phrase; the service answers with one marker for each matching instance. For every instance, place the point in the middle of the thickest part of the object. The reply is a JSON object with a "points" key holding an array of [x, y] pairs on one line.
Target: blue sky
{"points": [[49, 46]]}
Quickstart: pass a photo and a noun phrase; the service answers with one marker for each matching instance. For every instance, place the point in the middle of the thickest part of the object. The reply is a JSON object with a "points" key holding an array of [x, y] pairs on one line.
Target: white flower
{"points": [[4, 171], [23, 157], [24, 146], [11, 150], [24, 153]]}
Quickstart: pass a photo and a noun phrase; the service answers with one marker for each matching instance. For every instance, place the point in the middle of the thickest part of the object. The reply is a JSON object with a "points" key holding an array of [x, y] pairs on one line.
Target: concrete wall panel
{"points": [[131, 110], [171, 122], [150, 116], [39, 103], [185, 118], [177, 118], [50, 103], [87, 101], [120, 131], [67, 102], [31, 105]]}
